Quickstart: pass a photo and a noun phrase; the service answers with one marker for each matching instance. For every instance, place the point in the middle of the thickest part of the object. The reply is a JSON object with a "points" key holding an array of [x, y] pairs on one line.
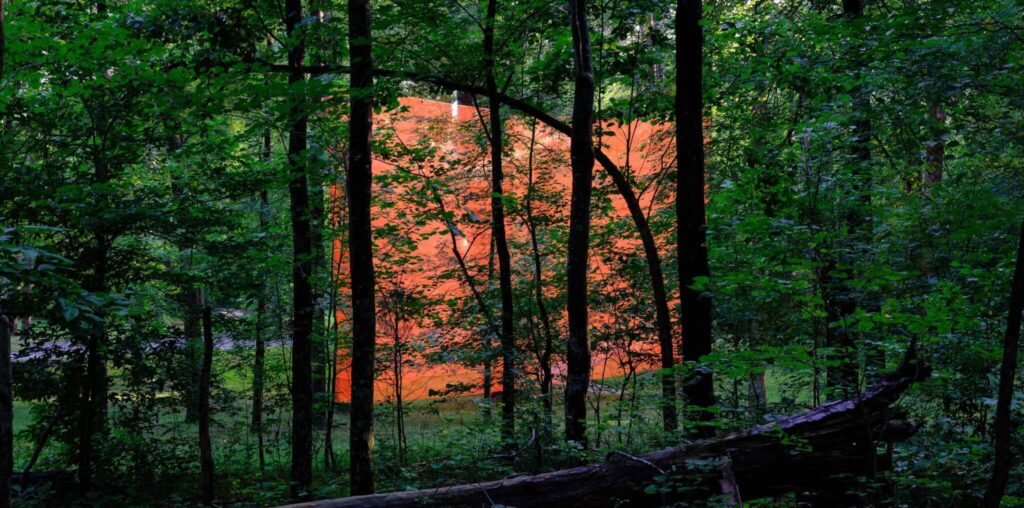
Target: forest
{"points": [[511, 253]]}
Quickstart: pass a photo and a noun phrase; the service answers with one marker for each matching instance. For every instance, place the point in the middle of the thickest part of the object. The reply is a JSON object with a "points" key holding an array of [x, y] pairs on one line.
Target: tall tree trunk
{"points": [[205, 447], [94, 412], [1011, 345], [262, 306], [6, 400], [508, 346], [302, 264], [6, 391], [690, 216], [321, 272], [194, 301], [94, 390], [582, 155], [842, 379], [360, 179], [192, 305]]}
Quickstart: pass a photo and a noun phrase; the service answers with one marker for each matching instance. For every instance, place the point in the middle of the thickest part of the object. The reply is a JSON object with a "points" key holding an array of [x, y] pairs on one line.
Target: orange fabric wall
{"points": [[640, 148]]}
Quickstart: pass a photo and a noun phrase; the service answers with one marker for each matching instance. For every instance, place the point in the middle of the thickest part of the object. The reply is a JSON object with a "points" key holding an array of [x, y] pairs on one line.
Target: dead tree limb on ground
{"points": [[821, 452]]}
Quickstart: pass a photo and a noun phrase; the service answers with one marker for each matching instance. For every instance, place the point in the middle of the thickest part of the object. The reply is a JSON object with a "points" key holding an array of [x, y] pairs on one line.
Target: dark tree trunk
{"points": [[94, 391], [194, 302], [262, 306], [842, 379], [205, 447], [192, 305], [360, 178], [582, 155], [302, 263], [6, 402], [821, 451], [258, 372], [1003, 429], [6, 388], [690, 216], [508, 346], [93, 413], [321, 265]]}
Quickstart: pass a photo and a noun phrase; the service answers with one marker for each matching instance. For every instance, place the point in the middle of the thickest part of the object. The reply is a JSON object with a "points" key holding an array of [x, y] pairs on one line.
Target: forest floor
{"points": [[445, 438]]}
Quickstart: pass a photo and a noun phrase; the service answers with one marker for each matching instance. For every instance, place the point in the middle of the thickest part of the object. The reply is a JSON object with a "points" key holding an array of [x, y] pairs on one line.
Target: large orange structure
{"points": [[437, 141]]}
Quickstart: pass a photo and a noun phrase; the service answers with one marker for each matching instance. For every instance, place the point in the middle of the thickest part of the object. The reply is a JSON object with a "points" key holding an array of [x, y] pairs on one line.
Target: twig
{"points": [[638, 459], [533, 437]]}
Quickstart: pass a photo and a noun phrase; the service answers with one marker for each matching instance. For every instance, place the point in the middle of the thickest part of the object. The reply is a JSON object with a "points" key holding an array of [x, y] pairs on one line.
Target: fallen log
{"points": [[820, 454]]}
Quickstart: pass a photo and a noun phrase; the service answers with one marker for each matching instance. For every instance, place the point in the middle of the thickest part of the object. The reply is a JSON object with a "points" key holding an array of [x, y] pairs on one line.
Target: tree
{"points": [[205, 375], [6, 392], [582, 155], [6, 413], [692, 249], [1003, 430], [259, 370], [360, 179], [840, 298], [544, 352], [302, 263], [508, 342]]}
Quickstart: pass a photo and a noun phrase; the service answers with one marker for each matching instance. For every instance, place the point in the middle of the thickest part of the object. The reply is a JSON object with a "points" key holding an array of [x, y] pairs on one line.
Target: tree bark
{"points": [[1003, 429], [820, 451], [582, 156], [508, 345], [6, 405], [360, 178], [302, 264], [692, 248], [205, 447]]}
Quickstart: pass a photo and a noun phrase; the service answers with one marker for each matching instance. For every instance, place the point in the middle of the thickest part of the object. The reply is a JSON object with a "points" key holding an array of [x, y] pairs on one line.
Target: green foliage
{"points": [[869, 163]]}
